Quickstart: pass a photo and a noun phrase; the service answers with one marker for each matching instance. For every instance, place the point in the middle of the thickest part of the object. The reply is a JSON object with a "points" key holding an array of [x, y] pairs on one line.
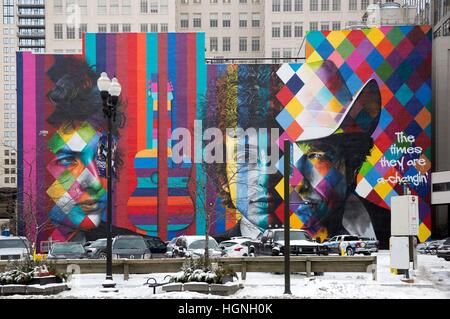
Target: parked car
{"points": [[97, 249], [443, 250], [422, 247], [236, 247], [13, 247], [271, 243], [371, 243], [157, 247], [131, 247], [433, 246], [169, 247], [194, 246], [63, 250], [351, 245]]}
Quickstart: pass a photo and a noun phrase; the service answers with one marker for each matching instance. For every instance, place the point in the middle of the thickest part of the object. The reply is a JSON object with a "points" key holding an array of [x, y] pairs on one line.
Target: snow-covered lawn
{"points": [[432, 280]]}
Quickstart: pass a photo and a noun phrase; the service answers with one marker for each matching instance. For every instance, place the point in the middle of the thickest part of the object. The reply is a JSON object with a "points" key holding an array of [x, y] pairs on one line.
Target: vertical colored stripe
{"points": [[162, 136], [30, 131], [152, 69], [20, 121], [90, 49], [141, 91], [200, 73], [100, 52], [127, 139]]}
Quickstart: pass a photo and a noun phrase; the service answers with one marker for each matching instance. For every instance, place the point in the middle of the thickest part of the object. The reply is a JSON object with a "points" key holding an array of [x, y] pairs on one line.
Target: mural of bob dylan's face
{"points": [[78, 191], [250, 184], [324, 184]]}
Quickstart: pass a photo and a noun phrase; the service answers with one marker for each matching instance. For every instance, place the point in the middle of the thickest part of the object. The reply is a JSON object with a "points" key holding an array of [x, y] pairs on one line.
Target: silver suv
{"points": [[13, 247]]}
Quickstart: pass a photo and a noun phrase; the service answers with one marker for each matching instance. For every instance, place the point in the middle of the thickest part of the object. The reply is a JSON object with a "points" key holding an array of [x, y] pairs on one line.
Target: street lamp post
{"points": [[109, 91]]}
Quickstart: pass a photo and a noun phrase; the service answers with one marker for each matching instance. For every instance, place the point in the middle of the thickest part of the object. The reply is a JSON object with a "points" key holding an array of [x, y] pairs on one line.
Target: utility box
{"points": [[399, 247], [404, 215]]}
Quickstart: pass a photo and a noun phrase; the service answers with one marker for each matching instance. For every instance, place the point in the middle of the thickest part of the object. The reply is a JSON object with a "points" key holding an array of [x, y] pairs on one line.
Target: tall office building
{"points": [[8, 115], [440, 10]]}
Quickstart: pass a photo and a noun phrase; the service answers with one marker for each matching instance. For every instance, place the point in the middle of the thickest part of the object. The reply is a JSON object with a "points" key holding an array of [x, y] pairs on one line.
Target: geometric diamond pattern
{"points": [[399, 59]]}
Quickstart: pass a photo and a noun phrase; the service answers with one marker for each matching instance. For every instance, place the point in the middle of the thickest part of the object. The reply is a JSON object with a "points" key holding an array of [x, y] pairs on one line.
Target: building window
{"points": [[298, 30], [352, 5], [102, 28], [70, 30], [144, 27], [256, 20], [164, 27], [276, 5], [226, 20], [276, 30], [153, 6], [114, 28], [58, 6], [336, 25], [101, 6], [13, 180], [287, 53], [287, 30], [114, 7], [213, 20], [287, 5], [226, 44], [314, 5], [243, 1], [336, 5], [144, 6], [364, 4], [313, 26], [6, 180], [184, 20], [256, 44], [276, 55], [325, 5], [324, 26], [242, 44], [153, 27], [298, 5], [213, 44], [81, 30], [126, 27], [58, 31], [197, 20], [242, 20]]}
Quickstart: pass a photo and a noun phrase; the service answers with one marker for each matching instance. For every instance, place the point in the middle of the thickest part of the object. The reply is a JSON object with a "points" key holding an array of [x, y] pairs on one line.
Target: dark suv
{"points": [[443, 251], [131, 247]]}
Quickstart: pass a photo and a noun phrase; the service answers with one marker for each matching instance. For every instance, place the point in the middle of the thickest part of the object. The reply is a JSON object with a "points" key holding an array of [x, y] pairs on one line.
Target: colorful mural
{"points": [[340, 109]]}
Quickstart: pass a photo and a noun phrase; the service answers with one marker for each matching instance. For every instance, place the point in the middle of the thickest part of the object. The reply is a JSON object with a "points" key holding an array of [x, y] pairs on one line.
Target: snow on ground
{"points": [[432, 280]]}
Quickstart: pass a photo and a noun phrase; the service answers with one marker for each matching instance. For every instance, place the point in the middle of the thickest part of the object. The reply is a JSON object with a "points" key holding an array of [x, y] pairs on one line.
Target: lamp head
{"points": [[115, 89], [103, 82]]}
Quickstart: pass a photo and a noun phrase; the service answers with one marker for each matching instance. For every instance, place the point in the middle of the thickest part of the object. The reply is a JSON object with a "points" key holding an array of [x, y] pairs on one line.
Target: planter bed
{"points": [[33, 289], [226, 289]]}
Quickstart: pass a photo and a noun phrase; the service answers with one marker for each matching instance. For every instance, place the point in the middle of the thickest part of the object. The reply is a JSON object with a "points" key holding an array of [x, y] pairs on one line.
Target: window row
{"points": [[11, 180], [318, 5], [289, 29], [245, 44], [244, 22]]}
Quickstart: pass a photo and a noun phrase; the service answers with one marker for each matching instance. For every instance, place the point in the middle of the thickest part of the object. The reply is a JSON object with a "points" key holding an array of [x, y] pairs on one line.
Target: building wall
{"points": [[63, 16], [236, 33], [286, 46], [8, 114]]}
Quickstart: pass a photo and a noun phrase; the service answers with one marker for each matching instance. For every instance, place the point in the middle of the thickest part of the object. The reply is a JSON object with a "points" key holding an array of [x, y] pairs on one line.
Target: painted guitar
{"points": [[143, 205]]}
